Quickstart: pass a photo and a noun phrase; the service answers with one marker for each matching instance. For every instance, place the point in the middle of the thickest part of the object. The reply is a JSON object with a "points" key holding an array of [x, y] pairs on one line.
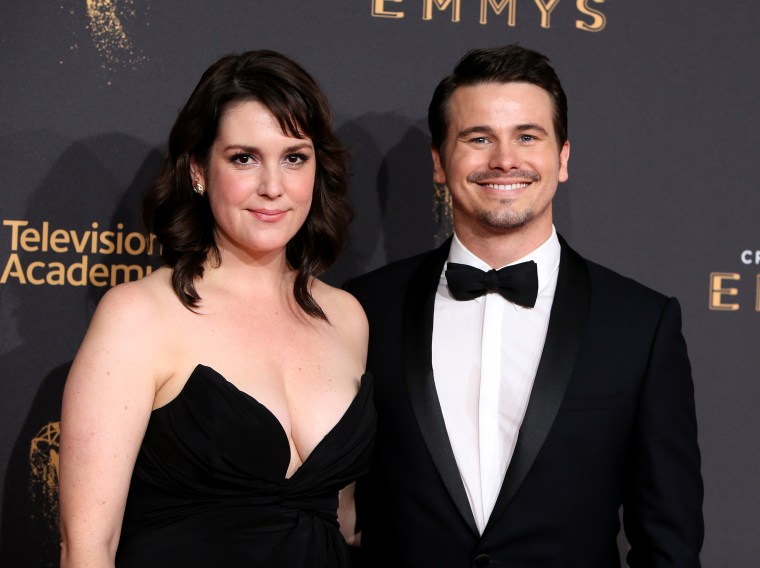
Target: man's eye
{"points": [[479, 140], [527, 138]]}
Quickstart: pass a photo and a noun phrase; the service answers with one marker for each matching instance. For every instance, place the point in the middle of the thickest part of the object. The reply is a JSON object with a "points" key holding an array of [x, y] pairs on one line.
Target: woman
{"points": [[216, 407]]}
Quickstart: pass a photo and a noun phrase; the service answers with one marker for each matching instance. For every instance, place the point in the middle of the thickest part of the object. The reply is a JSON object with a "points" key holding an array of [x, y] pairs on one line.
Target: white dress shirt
{"points": [[485, 355]]}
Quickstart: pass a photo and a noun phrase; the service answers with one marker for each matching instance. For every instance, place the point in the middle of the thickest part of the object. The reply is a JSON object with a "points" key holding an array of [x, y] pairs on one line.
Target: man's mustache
{"points": [[484, 177]]}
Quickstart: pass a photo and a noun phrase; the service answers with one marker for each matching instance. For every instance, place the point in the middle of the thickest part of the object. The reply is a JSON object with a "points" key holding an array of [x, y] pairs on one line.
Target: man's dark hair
{"points": [[507, 64], [182, 220]]}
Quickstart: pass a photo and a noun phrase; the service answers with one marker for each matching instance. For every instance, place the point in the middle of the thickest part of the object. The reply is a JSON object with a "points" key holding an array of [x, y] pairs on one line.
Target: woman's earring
{"points": [[198, 188]]}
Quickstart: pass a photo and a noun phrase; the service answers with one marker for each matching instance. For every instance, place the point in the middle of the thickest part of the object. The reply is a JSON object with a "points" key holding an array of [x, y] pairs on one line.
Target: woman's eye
{"points": [[295, 159], [242, 158]]}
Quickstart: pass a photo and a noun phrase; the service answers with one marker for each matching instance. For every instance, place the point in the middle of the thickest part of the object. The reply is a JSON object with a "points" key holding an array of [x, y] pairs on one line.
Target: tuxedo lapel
{"points": [[418, 372], [567, 323]]}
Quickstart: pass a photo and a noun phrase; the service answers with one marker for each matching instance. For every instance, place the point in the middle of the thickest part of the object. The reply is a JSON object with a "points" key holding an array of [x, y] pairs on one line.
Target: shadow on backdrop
{"points": [[86, 184], [392, 190]]}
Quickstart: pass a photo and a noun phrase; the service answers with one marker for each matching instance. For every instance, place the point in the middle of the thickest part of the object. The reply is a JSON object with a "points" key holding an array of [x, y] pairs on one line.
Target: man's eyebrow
{"points": [[477, 129], [485, 129], [530, 126]]}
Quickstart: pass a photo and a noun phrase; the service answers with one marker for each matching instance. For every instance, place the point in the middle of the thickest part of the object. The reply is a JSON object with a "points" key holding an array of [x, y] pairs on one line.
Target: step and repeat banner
{"points": [[664, 118]]}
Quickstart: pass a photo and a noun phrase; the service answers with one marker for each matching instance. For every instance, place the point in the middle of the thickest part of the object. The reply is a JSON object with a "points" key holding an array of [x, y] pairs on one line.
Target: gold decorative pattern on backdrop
{"points": [[43, 464], [106, 24], [442, 212]]}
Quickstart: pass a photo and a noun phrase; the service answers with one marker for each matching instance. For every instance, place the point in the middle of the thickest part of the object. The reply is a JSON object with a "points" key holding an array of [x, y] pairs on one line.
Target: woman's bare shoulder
{"points": [[342, 309], [132, 329], [139, 298], [137, 313]]}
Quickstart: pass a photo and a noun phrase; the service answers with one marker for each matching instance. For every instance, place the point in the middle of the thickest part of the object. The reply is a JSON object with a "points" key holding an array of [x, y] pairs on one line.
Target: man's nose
{"points": [[503, 157]]}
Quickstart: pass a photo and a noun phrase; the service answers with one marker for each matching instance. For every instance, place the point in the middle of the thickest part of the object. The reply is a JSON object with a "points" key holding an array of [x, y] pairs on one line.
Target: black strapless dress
{"points": [[209, 486]]}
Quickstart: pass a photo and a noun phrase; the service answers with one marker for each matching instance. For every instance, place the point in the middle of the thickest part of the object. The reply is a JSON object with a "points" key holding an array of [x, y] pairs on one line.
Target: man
{"points": [[511, 429]]}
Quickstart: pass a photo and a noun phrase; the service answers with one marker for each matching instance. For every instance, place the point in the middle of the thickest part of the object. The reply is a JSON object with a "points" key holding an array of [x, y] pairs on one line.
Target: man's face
{"points": [[501, 160]]}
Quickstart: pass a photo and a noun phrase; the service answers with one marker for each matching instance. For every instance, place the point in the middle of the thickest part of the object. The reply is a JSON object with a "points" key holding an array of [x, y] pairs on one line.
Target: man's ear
{"points": [[564, 158], [439, 175]]}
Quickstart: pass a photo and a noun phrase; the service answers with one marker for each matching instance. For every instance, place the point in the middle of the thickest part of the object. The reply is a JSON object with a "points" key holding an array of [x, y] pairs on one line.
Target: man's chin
{"points": [[504, 222]]}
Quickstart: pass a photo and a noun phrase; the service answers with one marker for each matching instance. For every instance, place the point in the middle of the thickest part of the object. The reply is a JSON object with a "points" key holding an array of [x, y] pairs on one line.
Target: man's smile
{"points": [[505, 187]]}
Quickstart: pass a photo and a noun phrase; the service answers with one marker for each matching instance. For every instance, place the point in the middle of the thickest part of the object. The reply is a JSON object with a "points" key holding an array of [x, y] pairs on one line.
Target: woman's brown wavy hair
{"points": [[182, 220]]}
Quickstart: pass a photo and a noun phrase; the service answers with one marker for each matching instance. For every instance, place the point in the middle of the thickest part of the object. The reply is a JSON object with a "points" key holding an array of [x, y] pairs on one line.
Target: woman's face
{"points": [[259, 181]]}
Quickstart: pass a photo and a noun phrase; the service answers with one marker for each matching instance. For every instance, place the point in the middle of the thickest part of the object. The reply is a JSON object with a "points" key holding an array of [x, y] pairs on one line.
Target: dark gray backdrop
{"points": [[663, 184]]}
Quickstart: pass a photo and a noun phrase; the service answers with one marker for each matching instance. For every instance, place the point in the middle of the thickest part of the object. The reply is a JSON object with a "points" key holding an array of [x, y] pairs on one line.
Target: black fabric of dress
{"points": [[209, 486]]}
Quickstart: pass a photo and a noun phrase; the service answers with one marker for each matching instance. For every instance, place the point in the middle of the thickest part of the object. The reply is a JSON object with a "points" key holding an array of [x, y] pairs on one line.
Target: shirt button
{"points": [[482, 560]]}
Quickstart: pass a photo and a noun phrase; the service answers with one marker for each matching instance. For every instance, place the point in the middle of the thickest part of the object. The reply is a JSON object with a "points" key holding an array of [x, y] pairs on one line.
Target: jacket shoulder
{"points": [[605, 279], [393, 275]]}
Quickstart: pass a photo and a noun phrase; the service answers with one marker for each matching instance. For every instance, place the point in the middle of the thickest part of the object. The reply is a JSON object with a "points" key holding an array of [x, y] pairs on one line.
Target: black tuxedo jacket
{"points": [[610, 421]]}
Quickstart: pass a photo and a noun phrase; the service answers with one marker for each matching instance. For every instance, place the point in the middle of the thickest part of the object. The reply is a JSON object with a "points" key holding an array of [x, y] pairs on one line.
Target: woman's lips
{"points": [[268, 215]]}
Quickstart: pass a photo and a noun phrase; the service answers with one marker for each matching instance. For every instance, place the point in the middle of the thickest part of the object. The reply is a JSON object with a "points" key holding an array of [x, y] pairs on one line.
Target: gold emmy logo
{"points": [[43, 463]]}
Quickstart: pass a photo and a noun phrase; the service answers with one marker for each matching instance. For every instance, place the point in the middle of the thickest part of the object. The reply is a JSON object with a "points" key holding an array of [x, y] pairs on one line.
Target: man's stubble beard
{"points": [[503, 220]]}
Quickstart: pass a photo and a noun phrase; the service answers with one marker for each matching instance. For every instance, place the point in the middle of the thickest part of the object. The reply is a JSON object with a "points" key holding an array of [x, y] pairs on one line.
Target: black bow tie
{"points": [[517, 283]]}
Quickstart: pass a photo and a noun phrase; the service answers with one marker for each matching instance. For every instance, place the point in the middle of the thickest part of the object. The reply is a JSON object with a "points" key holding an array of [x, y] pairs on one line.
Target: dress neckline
{"points": [[205, 370]]}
